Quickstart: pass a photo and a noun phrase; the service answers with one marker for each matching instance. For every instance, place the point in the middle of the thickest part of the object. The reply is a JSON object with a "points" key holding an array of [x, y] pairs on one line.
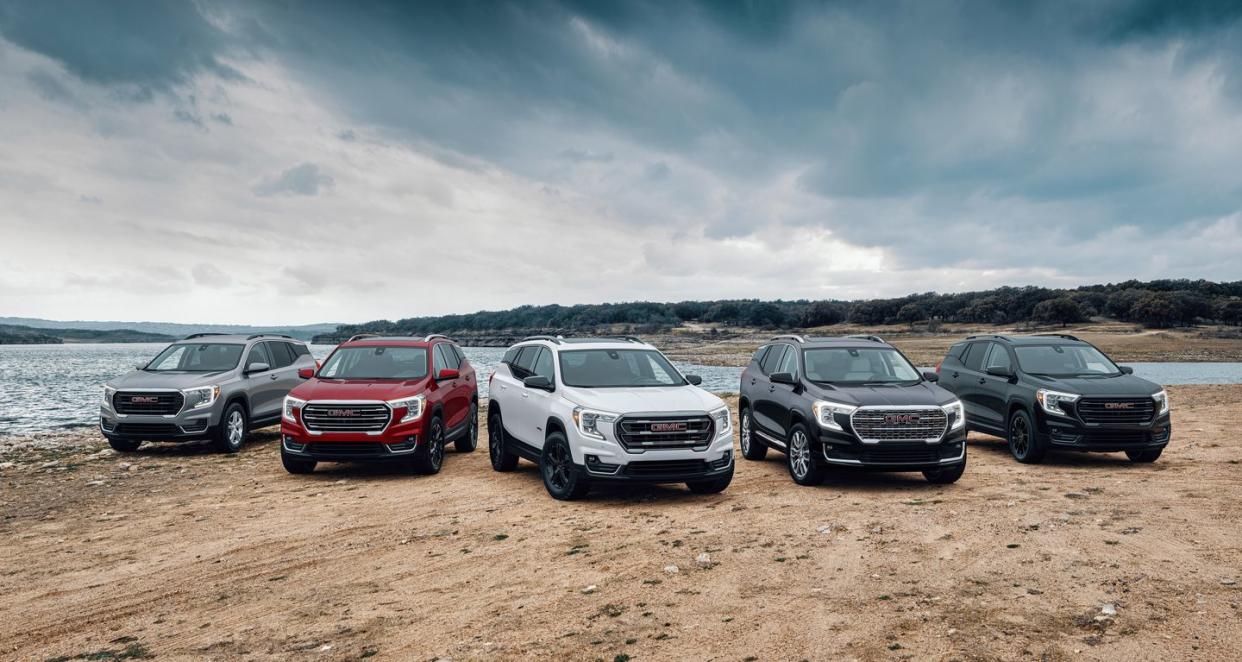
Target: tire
{"points": [[497, 449], [296, 465], [1024, 442], [713, 486], [469, 441], [1144, 457], [231, 433], [556, 465], [430, 456], [124, 445], [945, 475], [752, 449], [800, 459]]}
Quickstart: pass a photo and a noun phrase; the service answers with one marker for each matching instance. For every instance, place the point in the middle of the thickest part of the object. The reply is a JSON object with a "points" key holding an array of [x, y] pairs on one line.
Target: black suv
{"points": [[1055, 391], [852, 401]]}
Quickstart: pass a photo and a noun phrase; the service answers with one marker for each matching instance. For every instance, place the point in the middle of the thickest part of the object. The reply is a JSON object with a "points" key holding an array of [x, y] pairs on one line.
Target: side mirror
{"points": [[140, 366], [694, 379], [783, 378], [538, 381], [1000, 371], [446, 374], [257, 367], [306, 373], [1126, 370], [931, 376]]}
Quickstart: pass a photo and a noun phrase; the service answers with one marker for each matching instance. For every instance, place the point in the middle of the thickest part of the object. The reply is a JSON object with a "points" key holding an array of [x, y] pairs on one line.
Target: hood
{"points": [[923, 393], [358, 389], [140, 379], [646, 400], [1122, 386]]}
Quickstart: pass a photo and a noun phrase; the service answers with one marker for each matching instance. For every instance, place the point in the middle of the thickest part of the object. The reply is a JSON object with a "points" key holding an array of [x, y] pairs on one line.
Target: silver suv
{"points": [[201, 388]]}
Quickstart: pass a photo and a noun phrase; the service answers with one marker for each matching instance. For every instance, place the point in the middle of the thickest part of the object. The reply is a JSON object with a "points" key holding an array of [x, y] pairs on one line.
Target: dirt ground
{"points": [[178, 553]]}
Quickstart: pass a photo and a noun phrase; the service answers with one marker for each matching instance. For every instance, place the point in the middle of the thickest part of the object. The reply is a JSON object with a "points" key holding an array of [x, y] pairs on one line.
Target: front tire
{"points": [[231, 433], [296, 465], [502, 459], [430, 457], [1143, 457], [801, 458], [752, 449], [1024, 443], [470, 441], [713, 486], [946, 475], [561, 478], [124, 445]]}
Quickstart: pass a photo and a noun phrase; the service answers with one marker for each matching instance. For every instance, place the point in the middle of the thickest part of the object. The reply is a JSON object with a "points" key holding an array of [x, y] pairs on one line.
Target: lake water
{"points": [[58, 387]]}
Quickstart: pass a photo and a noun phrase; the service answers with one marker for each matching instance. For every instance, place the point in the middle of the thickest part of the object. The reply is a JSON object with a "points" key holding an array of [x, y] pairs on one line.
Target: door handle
{"points": [[954, 374], [772, 389], [982, 380], [273, 376], [525, 395], [752, 381]]}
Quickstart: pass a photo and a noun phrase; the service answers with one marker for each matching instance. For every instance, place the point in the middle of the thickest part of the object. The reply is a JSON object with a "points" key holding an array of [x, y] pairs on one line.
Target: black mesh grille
{"points": [[1118, 437], [358, 449], [151, 403], [660, 432], [665, 468], [899, 424], [1116, 410], [152, 429], [345, 417]]}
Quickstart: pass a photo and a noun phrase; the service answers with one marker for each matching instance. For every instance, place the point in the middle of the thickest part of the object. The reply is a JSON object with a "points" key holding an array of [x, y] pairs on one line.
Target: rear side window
{"points": [[299, 350], [461, 356], [524, 365], [773, 358], [757, 359], [973, 359], [956, 350], [281, 355], [510, 356]]}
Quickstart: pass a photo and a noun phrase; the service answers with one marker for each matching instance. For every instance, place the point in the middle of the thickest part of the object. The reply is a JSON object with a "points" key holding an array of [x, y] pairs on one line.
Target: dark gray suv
{"points": [[207, 386]]}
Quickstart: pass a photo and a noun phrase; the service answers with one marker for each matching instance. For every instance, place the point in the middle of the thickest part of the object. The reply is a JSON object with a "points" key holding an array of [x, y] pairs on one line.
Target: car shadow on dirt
{"points": [[999, 448]]}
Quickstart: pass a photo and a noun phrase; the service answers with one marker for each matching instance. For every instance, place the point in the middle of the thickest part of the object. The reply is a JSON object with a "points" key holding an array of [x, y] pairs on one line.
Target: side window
{"points": [[973, 359], [461, 356], [956, 351], [789, 363], [258, 355], [299, 350], [758, 357], [511, 356], [281, 356], [998, 357], [773, 359], [543, 365], [438, 362], [450, 357], [524, 365]]}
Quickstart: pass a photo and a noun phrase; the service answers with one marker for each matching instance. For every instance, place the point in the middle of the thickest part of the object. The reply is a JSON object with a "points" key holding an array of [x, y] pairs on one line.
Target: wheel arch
{"points": [[554, 424]]}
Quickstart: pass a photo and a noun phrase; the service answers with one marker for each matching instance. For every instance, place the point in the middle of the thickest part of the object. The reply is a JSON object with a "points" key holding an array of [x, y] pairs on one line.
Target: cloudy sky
{"points": [[290, 162]]}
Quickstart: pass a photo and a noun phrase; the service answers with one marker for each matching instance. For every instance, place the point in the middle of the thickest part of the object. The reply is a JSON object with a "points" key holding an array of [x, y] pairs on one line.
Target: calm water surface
{"points": [[58, 387]]}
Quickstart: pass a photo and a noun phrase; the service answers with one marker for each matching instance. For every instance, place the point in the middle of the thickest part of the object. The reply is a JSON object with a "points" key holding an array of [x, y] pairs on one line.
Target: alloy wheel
{"points": [[558, 467], [745, 432], [436, 451], [800, 454], [1019, 436], [236, 428], [494, 441]]}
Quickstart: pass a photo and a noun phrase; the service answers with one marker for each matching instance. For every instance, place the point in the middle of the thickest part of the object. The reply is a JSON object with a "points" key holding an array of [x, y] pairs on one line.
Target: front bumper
{"points": [[184, 426], [398, 440], [1072, 434], [607, 460], [844, 449]]}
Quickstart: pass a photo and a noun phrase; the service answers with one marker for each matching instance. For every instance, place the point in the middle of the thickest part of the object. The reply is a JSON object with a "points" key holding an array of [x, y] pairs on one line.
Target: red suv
{"points": [[389, 399]]}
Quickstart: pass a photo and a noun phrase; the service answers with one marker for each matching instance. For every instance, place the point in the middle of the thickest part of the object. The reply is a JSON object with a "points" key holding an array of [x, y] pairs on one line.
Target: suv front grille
{"points": [[664, 432], [1106, 411], [148, 403], [152, 429], [665, 468], [345, 417], [877, 425]]}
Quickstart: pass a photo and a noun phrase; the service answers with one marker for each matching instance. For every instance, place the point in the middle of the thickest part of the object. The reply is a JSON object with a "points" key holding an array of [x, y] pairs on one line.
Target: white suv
{"points": [[606, 409]]}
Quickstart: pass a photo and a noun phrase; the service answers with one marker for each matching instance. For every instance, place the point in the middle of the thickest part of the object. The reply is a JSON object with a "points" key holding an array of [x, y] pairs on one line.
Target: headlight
{"points": [[955, 410], [413, 407], [1162, 402], [1051, 401], [108, 392], [198, 398], [826, 414], [588, 421], [721, 417], [292, 403]]}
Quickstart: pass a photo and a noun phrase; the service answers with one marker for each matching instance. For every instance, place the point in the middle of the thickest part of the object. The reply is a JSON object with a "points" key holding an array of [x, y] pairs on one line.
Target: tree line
{"points": [[1156, 304]]}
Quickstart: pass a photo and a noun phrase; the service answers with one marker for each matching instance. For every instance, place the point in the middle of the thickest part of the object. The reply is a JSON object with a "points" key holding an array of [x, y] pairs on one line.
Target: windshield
{"points": [[607, 368], [376, 363], [859, 366], [207, 357], [1065, 361]]}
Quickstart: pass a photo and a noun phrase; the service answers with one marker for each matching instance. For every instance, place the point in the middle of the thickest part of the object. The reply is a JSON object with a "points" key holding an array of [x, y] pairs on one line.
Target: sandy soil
{"points": [[178, 553], [1124, 342]]}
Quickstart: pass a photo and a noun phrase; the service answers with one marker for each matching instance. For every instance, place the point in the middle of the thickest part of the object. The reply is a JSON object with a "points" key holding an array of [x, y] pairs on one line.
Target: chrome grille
{"points": [[664, 432], [897, 424], [1116, 410], [147, 403], [345, 417]]}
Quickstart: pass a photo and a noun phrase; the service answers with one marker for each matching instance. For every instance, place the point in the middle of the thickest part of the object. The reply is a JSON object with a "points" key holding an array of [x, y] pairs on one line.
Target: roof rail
{"points": [[270, 335], [866, 336], [789, 336], [360, 336], [202, 335], [1060, 335], [996, 336], [556, 340], [433, 336]]}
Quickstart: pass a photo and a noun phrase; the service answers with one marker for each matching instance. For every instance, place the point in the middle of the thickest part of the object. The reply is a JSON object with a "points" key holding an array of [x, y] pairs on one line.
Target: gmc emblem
{"points": [[1119, 405], [144, 399], [342, 412], [901, 419], [668, 427]]}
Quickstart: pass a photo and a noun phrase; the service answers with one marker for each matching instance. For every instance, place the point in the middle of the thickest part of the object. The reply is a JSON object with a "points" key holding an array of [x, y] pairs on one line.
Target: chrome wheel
{"points": [[1019, 437], [556, 467], [745, 434], [800, 454], [236, 428]]}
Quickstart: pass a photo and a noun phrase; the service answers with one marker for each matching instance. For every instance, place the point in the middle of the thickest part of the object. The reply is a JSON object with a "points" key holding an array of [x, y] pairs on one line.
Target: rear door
{"points": [[767, 405], [444, 390], [284, 366], [969, 380], [993, 390], [262, 387]]}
